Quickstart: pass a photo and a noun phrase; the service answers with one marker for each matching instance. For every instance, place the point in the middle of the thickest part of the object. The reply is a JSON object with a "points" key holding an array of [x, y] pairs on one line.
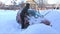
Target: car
{"points": [[32, 13]]}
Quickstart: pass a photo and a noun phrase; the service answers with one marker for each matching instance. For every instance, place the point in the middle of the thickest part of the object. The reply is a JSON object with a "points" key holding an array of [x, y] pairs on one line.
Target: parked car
{"points": [[32, 13]]}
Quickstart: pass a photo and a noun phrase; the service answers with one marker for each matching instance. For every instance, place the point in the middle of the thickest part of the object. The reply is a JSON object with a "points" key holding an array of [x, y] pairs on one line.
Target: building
{"points": [[33, 4]]}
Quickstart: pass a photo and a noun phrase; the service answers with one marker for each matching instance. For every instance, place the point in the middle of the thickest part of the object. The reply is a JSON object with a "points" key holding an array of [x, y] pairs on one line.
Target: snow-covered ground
{"points": [[8, 24], [54, 18]]}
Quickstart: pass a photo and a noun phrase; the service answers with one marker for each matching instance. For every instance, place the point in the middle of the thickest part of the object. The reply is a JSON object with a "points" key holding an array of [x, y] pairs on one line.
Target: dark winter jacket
{"points": [[25, 10]]}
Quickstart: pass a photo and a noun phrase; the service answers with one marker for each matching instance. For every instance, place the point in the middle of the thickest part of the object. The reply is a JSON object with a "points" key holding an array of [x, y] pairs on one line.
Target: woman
{"points": [[24, 14]]}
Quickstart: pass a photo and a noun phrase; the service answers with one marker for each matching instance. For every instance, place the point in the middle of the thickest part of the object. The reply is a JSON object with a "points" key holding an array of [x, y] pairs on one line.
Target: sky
{"points": [[7, 2], [53, 1]]}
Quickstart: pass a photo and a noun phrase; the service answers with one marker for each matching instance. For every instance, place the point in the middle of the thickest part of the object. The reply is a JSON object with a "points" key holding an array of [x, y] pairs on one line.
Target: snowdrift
{"points": [[39, 29], [8, 24]]}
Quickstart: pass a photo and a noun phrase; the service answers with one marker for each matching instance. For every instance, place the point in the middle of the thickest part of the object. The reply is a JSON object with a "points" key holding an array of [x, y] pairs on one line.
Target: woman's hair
{"points": [[27, 5]]}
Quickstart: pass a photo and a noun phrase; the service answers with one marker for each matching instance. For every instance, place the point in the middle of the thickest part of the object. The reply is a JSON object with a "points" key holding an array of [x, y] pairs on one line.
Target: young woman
{"points": [[24, 14]]}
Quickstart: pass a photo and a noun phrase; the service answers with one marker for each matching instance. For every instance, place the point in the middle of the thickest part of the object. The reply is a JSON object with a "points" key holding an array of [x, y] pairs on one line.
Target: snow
{"points": [[39, 29], [54, 18], [8, 24]]}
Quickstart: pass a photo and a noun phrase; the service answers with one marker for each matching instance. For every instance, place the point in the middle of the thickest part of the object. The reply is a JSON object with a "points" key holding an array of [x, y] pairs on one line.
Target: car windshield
{"points": [[34, 13]]}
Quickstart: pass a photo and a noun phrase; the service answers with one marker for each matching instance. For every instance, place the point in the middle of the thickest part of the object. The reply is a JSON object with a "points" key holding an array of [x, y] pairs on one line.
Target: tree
{"points": [[40, 3], [14, 2], [22, 4]]}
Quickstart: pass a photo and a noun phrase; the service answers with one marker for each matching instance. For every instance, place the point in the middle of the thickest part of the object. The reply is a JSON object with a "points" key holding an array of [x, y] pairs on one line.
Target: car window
{"points": [[34, 13]]}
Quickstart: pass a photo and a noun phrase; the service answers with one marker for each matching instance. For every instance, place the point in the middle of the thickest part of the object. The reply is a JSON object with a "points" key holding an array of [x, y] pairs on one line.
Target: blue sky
{"points": [[49, 1]]}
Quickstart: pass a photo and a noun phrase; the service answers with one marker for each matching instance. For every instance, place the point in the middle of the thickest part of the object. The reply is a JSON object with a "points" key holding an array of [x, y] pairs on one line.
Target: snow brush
{"points": [[42, 16]]}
